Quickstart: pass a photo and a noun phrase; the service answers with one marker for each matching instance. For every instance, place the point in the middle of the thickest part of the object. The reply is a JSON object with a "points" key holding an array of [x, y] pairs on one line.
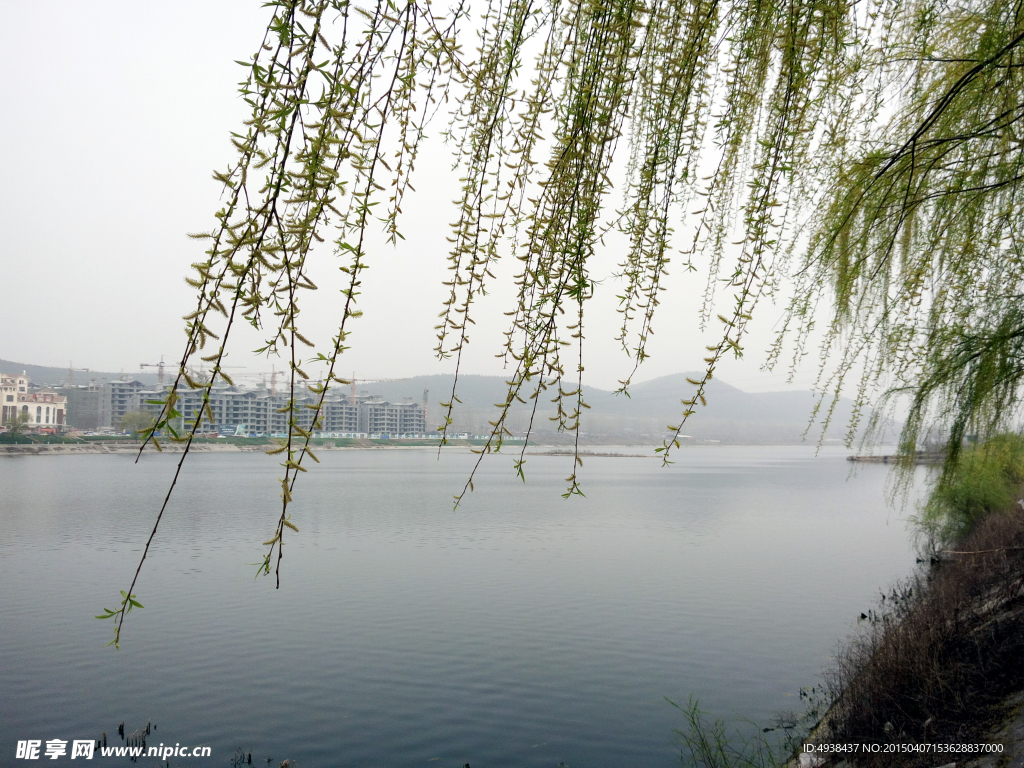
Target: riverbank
{"points": [[938, 663]]}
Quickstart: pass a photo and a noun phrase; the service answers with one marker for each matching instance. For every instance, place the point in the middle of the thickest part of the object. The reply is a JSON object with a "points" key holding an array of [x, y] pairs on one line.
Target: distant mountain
{"points": [[45, 376], [731, 415]]}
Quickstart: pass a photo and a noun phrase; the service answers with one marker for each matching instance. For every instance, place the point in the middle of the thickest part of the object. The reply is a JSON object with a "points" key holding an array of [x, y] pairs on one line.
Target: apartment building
{"points": [[257, 411], [123, 396]]}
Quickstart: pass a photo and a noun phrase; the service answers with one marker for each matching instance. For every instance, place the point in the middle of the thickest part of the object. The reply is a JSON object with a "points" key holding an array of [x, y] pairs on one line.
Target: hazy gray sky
{"points": [[114, 114]]}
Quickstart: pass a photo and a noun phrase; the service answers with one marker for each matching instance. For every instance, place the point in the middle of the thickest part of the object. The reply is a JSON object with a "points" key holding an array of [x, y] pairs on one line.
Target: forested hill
{"points": [[47, 376]]}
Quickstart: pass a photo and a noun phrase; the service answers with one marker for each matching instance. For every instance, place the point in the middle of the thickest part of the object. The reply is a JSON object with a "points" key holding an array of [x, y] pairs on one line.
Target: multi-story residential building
{"points": [[259, 412], [123, 396], [393, 418], [254, 411], [341, 415]]}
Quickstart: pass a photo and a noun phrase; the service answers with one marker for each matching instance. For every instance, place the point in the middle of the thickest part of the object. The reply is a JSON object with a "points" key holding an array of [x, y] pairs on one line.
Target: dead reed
{"points": [[944, 649]]}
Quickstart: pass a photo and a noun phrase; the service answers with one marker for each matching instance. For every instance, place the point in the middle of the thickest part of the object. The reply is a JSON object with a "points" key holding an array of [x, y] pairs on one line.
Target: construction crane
{"points": [[71, 372], [370, 380], [159, 369], [201, 375], [273, 373]]}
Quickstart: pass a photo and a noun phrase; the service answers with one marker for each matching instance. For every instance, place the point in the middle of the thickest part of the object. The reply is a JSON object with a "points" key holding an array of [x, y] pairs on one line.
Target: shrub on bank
{"points": [[941, 656], [987, 480]]}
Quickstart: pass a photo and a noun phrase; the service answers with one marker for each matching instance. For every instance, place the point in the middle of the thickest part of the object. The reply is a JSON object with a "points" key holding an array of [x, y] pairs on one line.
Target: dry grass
{"points": [[944, 650]]}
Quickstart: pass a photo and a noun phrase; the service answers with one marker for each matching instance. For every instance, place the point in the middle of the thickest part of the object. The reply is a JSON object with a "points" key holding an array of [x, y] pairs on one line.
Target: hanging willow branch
{"points": [[867, 156]]}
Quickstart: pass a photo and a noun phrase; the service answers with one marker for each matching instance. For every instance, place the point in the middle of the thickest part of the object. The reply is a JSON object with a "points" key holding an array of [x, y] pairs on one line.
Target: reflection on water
{"points": [[520, 630]]}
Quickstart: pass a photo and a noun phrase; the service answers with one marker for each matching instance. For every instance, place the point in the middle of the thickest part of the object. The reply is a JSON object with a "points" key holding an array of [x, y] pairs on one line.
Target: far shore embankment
{"points": [[132, 446], [542, 447]]}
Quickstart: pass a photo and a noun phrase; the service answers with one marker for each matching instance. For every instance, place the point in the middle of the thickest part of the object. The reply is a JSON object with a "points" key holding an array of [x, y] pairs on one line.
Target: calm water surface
{"points": [[521, 630]]}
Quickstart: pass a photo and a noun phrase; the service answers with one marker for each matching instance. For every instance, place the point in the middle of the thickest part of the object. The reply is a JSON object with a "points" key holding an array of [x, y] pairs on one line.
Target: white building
{"points": [[46, 409], [10, 388]]}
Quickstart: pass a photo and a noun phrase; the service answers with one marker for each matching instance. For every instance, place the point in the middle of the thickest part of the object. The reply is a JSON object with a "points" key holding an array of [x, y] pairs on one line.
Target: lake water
{"points": [[521, 630]]}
